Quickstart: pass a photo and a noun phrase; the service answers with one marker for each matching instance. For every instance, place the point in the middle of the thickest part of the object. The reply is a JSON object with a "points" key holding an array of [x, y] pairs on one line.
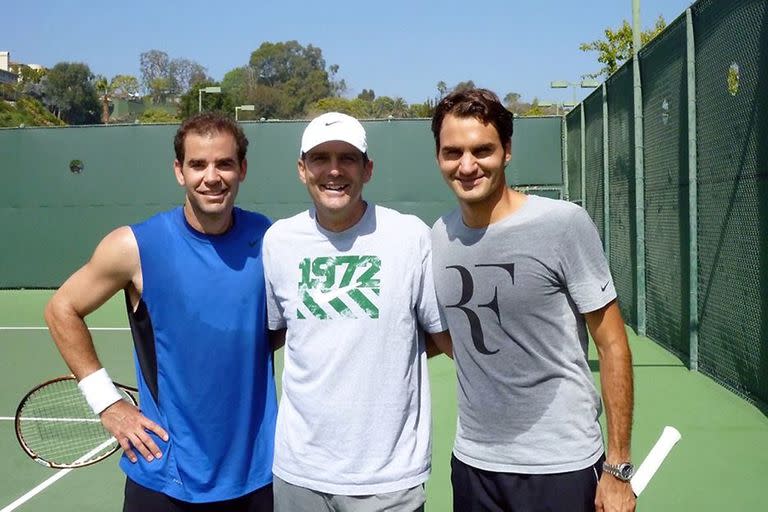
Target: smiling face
{"points": [[211, 174], [335, 173], [472, 160]]}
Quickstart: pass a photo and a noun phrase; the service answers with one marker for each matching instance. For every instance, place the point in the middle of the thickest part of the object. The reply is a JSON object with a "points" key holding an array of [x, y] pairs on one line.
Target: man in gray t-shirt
{"points": [[521, 279]]}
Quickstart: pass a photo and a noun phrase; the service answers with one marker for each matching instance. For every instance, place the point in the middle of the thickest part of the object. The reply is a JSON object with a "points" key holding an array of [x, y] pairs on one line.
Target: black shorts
{"points": [[477, 490], [140, 499]]}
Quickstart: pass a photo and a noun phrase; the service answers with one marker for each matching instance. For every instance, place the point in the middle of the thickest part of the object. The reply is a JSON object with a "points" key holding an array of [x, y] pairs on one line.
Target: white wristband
{"points": [[98, 390]]}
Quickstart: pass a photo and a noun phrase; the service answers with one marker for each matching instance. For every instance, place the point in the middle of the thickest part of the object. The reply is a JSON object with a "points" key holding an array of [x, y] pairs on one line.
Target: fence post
{"points": [[606, 180], [639, 170], [693, 272], [583, 155], [564, 144]]}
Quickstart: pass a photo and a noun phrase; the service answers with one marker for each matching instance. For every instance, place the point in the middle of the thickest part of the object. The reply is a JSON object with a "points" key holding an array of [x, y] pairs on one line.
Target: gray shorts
{"points": [[294, 498]]}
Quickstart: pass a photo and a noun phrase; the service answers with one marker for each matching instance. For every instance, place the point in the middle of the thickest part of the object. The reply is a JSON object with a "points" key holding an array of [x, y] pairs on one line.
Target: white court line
{"points": [[45, 329], [59, 475], [62, 472]]}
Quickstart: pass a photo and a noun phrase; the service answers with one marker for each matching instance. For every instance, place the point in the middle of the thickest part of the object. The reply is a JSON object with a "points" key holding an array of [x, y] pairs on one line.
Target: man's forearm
{"points": [[439, 343], [72, 338], [618, 395], [609, 333]]}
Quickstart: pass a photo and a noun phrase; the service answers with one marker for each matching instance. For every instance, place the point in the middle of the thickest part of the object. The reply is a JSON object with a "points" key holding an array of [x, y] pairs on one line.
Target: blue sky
{"points": [[395, 47]]}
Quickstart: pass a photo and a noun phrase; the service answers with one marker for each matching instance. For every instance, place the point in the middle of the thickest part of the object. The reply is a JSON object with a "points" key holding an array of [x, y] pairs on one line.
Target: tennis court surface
{"points": [[718, 465]]}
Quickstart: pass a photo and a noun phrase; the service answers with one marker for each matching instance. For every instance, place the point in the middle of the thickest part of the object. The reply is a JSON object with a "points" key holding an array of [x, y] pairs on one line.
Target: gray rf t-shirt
{"points": [[513, 295]]}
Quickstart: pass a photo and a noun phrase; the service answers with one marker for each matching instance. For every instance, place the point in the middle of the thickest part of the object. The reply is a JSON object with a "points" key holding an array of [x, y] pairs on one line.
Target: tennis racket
{"points": [[668, 439], [56, 427]]}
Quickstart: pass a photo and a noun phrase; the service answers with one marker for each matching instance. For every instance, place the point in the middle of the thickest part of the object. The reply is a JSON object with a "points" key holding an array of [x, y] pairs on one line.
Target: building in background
{"points": [[6, 76]]}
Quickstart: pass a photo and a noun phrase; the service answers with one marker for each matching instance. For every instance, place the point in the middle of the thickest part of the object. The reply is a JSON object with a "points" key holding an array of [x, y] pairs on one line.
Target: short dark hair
{"points": [[481, 104], [210, 123]]}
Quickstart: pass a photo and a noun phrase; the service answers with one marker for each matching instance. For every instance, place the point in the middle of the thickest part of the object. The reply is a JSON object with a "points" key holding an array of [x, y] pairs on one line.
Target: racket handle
{"points": [[669, 437]]}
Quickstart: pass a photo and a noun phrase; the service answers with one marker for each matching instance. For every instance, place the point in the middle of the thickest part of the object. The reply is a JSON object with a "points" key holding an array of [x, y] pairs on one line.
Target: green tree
{"points": [[28, 83], [240, 84], [442, 89], [124, 86], [399, 108], [241, 87], [154, 66], [183, 74], [514, 104], [367, 95], [162, 76], [157, 115], [28, 75], [356, 107], [104, 90], [338, 87], [617, 46], [70, 93], [535, 109], [463, 86], [190, 101], [510, 99], [382, 107], [425, 109], [297, 72]]}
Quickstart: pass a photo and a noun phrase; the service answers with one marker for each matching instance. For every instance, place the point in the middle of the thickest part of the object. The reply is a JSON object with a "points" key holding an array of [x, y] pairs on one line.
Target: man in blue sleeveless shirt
{"points": [[194, 288]]}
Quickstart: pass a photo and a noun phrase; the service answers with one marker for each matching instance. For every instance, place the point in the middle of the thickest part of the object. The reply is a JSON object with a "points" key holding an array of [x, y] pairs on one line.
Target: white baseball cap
{"points": [[334, 126]]}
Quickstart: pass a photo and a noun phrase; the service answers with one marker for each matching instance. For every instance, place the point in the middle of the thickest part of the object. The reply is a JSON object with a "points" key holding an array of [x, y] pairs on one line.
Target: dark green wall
{"points": [[537, 153], [51, 219]]}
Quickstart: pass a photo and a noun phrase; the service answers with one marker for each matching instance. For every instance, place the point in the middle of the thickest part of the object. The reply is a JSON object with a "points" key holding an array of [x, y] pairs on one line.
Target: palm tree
{"points": [[442, 89], [104, 89], [399, 107]]}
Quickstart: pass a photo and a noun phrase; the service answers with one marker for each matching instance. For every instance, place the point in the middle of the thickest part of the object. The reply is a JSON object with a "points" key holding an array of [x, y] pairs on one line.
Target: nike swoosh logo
{"points": [[329, 123], [602, 288]]}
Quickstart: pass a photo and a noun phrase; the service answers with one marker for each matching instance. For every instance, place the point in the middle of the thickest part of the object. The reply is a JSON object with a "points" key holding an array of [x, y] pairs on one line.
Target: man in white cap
{"points": [[349, 292]]}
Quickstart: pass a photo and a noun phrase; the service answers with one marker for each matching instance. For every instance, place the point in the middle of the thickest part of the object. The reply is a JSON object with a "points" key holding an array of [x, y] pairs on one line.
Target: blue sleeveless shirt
{"points": [[203, 360]]}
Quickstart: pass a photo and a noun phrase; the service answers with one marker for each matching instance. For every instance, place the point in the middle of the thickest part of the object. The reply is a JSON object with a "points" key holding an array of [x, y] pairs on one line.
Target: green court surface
{"points": [[716, 466]]}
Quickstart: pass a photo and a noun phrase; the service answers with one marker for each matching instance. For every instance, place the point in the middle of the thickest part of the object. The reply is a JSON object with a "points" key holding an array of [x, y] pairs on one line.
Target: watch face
{"points": [[626, 471]]}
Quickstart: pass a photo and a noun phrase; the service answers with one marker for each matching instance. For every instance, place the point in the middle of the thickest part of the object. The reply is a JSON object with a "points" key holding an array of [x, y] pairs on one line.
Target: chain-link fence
{"points": [[705, 189]]}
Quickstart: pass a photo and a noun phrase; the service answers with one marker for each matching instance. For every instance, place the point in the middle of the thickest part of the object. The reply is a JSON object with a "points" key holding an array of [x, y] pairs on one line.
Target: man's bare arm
{"points": [[439, 342], [277, 339], [114, 266], [608, 331]]}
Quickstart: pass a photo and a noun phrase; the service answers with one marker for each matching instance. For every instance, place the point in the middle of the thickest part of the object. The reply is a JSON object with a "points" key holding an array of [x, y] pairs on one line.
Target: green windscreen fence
{"points": [[573, 153], [52, 218], [732, 126], [665, 134], [537, 157], [621, 179], [593, 158], [717, 319]]}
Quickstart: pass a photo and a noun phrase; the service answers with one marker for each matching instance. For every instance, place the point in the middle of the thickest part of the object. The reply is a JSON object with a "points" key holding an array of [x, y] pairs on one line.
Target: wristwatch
{"points": [[623, 471]]}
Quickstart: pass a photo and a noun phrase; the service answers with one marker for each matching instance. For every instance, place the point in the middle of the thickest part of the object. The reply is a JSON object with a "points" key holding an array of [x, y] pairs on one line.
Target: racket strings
{"points": [[57, 425]]}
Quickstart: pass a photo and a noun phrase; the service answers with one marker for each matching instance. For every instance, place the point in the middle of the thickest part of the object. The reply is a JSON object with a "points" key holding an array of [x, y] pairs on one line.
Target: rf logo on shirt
{"points": [[339, 287], [467, 292]]}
